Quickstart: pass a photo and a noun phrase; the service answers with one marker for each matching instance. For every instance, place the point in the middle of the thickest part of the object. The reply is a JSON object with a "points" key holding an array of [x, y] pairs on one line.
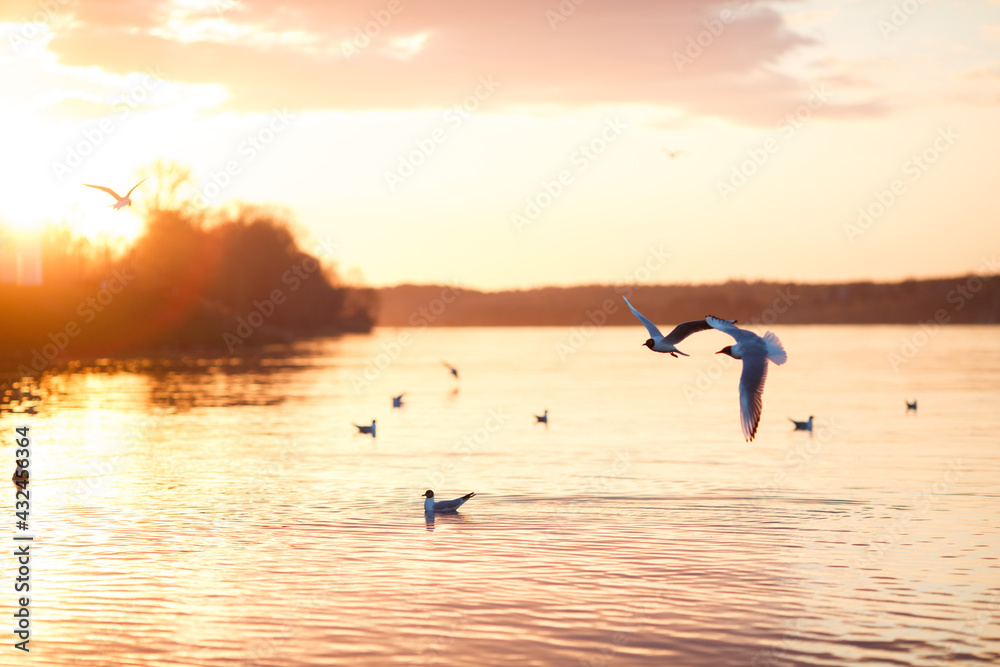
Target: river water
{"points": [[218, 512]]}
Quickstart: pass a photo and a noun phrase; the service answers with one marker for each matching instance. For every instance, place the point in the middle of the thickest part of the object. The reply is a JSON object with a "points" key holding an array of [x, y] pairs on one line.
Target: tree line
{"points": [[971, 299]]}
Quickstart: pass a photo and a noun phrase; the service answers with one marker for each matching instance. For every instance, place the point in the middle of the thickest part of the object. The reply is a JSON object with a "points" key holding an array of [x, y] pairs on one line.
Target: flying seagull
{"points": [[803, 426], [660, 343], [397, 401], [366, 429], [454, 371], [120, 202], [542, 418], [755, 351], [911, 406], [444, 505]]}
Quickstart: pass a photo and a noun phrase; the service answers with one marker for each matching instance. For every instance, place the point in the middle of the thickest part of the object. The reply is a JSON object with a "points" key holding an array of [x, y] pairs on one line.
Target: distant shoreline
{"points": [[969, 299]]}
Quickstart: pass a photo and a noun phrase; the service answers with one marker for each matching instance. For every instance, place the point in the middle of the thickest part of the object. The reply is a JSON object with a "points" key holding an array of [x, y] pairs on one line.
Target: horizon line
{"points": [[777, 281]]}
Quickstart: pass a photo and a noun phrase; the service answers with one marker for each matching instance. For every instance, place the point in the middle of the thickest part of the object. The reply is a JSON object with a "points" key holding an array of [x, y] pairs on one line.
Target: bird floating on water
{"points": [[120, 202], [803, 426], [542, 418], [667, 344], [366, 429], [397, 401], [454, 371], [911, 406], [444, 505], [755, 351]]}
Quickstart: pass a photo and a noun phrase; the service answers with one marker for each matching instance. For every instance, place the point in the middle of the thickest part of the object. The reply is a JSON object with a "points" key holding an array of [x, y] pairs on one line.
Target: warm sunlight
{"points": [[752, 133], [97, 224], [535, 332], [108, 224]]}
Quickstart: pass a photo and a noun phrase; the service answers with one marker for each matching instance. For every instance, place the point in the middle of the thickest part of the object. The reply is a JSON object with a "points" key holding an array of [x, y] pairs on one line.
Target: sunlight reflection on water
{"points": [[224, 513]]}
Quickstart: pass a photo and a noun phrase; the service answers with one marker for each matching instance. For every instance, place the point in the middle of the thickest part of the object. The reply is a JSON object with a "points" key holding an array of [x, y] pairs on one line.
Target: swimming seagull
{"points": [[454, 371], [543, 418], [660, 343], [755, 351], [366, 429], [120, 202], [803, 426], [444, 505], [911, 406], [397, 401]]}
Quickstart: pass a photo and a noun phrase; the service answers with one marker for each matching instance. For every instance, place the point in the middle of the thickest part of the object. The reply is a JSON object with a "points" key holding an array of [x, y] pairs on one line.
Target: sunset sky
{"points": [[528, 142]]}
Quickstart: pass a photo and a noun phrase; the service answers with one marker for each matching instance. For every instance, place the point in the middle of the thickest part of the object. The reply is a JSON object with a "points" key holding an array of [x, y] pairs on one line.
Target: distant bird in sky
{"points": [[543, 418], [755, 351], [667, 344], [454, 371], [120, 201], [673, 154], [911, 406], [397, 401], [444, 505], [366, 429], [803, 426]]}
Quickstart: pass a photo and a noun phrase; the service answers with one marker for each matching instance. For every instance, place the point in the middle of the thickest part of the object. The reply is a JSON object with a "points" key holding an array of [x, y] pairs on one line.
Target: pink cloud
{"points": [[701, 56]]}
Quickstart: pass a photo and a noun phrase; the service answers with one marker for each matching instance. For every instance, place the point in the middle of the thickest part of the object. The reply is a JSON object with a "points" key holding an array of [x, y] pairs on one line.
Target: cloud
{"points": [[808, 18], [431, 54], [73, 107]]}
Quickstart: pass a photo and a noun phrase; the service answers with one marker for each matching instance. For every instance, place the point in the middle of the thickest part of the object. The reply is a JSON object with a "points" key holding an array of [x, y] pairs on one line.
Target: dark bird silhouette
{"points": [[366, 429], [911, 406], [803, 426], [668, 344], [454, 371], [543, 418], [397, 401]]}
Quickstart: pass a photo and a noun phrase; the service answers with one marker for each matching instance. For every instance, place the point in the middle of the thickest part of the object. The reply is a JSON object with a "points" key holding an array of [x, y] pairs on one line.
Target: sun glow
{"points": [[109, 225]]}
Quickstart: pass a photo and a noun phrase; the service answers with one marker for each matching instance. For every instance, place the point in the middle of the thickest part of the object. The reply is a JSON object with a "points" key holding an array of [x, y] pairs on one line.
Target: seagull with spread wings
{"points": [[755, 351], [120, 202], [667, 344]]}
